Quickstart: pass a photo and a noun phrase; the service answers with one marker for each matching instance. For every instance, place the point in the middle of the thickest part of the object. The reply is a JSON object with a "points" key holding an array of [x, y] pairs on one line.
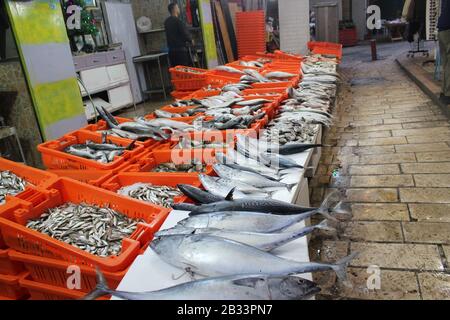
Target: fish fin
{"points": [[341, 267], [131, 145], [248, 282], [324, 226], [229, 196], [101, 289]]}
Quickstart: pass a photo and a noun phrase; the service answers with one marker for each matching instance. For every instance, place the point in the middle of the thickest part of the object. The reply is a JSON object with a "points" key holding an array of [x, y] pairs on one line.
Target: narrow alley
{"points": [[391, 155]]}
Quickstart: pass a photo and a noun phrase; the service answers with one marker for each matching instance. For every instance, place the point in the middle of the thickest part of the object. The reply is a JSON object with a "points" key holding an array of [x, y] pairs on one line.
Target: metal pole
{"points": [[373, 46]]}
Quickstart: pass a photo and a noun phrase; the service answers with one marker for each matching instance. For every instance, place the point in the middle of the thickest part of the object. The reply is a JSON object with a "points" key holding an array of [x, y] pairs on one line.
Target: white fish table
{"points": [[148, 272]]}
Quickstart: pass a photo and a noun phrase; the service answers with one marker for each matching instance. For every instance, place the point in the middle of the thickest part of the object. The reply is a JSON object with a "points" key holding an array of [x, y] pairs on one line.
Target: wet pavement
{"points": [[390, 154]]}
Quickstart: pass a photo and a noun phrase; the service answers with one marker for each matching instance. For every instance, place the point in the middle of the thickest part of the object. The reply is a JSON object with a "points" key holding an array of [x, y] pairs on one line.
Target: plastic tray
{"points": [[181, 95], [10, 287], [8, 266], [189, 84], [91, 177], [15, 215], [53, 272], [177, 73], [125, 179], [54, 157], [32, 175]]}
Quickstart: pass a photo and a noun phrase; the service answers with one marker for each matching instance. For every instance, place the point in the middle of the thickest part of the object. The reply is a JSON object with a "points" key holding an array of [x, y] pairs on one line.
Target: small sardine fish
{"points": [[235, 287], [159, 195], [96, 230], [213, 256], [10, 184]]}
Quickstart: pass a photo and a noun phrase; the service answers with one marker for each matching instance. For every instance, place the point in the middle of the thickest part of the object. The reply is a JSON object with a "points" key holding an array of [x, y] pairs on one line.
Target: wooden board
{"points": [[234, 8], [204, 8], [224, 31], [230, 27]]}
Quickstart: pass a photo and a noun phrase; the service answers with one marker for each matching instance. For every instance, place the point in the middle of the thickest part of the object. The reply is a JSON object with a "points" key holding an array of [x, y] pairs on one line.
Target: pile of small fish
{"points": [[189, 70], [105, 152], [184, 167], [250, 76], [159, 195], [93, 229], [285, 131], [10, 184]]}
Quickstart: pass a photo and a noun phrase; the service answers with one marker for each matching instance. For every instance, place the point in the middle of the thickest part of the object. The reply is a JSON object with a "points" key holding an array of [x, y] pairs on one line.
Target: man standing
{"points": [[178, 37], [444, 44]]}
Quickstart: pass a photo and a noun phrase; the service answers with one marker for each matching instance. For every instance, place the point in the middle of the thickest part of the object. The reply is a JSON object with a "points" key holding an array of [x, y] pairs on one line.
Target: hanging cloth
{"points": [[408, 10]]}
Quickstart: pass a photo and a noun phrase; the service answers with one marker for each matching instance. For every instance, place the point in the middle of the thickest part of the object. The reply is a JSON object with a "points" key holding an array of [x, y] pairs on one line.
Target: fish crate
{"points": [[129, 178], [180, 73], [150, 160], [264, 91], [283, 56], [189, 84], [33, 176], [10, 287], [221, 81], [181, 95], [202, 93], [102, 125], [51, 272], [54, 157], [206, 155], [91, 177], [8, 266], [15, 215], [40, 291]]}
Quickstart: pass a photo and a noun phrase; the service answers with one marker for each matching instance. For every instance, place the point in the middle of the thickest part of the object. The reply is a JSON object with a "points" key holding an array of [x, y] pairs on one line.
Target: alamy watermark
{"points": [[374, 18]]}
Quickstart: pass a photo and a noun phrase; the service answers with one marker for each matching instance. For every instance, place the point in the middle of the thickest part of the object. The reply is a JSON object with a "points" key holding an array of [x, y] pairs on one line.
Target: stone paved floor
{"points": [[390, 153]]}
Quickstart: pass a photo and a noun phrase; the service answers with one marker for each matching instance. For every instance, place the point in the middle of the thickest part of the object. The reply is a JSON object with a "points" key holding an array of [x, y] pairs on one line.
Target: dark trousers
{"points": [[179, 57]]}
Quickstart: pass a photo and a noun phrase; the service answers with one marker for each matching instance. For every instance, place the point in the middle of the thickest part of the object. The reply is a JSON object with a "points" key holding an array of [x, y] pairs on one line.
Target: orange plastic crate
{"points": [[177, 73], [54, 157], [181, 95], [32, 175], [8, 266], [201, 94], [53, 272], [15, 215], [189, 84], [220, 81], [128, 178], [91, 177], [10, 287]]}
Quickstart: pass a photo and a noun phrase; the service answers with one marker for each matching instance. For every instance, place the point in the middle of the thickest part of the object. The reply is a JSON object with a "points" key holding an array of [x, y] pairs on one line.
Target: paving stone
{"points": [[372, 195], [423, 119], [397, 256], [385, 127], [380, 211], [429, 138], [447, 252], [382, 181], [413, 114], [362, 170], [433, 156], [432, 180], [422, 147], [425, 195], [374, 150], [430, 212], [366, 135], [427, 232], [388, 158], [373, 231], [382, 141], [441, 167], [427, 124], [395, 285], [420, 132], [434, 286]]}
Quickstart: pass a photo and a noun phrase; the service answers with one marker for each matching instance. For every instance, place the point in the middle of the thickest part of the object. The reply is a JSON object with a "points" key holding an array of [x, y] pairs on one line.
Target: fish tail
{"points": [[324, 226], [290, 186], [110, 116], [340, 268], [101, 289]]}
